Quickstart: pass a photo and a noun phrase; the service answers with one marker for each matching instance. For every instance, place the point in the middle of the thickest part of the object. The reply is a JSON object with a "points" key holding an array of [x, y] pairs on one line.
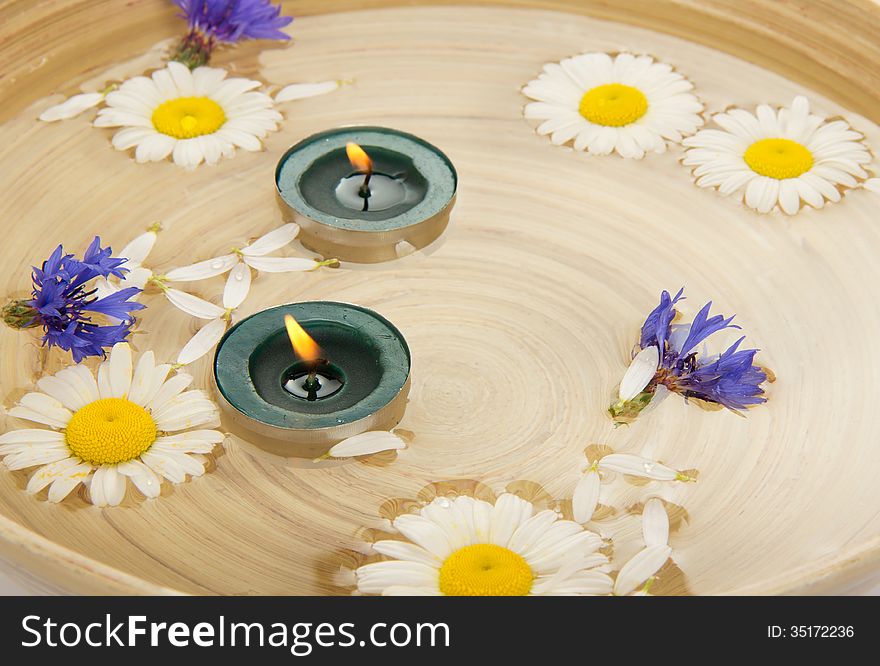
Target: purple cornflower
{"points": [[668, 357], [63, 300], [213, 22]]}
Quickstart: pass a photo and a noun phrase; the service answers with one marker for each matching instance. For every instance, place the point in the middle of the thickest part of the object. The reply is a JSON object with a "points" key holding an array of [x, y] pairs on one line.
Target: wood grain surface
{"points": [[520, 319]]}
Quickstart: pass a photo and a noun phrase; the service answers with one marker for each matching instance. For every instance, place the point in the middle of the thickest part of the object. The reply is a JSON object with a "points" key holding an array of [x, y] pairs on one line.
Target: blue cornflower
{"points": [[668, 357], [226, 21], [63, 300]]}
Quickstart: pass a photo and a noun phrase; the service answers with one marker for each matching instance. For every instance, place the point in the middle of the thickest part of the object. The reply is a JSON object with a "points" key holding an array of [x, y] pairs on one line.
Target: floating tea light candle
{"points": [[362, 193], [311, 374]]}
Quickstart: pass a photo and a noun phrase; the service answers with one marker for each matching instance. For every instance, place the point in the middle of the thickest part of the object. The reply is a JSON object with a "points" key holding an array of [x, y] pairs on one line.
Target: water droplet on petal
{"points": [[445, 503], [217, 264], [239, 277], [648, 466]]}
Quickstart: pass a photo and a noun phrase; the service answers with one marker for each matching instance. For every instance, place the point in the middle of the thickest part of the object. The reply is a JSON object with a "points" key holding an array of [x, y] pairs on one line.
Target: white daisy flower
{"points": [[778, 157], [627, 104], [128, 423], [468, 547], [194, 116]]}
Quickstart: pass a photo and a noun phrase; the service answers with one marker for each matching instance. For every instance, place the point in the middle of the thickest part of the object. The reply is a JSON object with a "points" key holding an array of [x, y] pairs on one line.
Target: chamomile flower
{"points": [[125, 424], [468, 547], [668, 358], [194, 116], [627, 104], [780, 157]]}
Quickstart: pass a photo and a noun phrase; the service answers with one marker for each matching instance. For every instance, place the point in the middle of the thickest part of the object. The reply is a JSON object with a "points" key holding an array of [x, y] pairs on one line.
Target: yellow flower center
{"points": [[613, 105], [778, 158], [188, 117], [485, 570], [110, 431]]}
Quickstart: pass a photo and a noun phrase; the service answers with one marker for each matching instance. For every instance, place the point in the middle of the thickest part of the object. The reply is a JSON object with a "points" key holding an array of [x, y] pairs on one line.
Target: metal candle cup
{"points": [[364, 376], [414, 186]]}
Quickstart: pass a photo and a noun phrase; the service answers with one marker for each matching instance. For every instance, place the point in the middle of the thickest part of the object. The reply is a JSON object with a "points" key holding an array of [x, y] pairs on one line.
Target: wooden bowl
{"points": [[520, 319]]}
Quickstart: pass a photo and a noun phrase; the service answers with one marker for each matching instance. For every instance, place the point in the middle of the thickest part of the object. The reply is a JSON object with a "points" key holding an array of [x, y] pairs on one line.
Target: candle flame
{"points": [[302, 343], [358, 158]]}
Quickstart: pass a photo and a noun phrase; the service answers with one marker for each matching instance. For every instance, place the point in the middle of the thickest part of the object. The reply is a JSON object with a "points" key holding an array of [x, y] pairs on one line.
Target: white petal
{"points": [[207, 79], [182, 77], [193, 305], [424, 533], [104, 389], [508, 513], [33, 436], [640, 372], [374, 578], [73, 106], [136, 277], [238, 284], [274, 240], [401, 550], [114, 486], [640, 568], [87, 380], [46, 475], [301, 90], [626, 463], [281, 264], [139, 248], [41, 408], [202, 342], [164, 465], [203, 269], [194, 441], [240, 138], [655, 523], [96, 487], [63, 392], [367, 443], [188, 153], [586, 497], [169, 390], [873, 184], [23, 456], [119, 370], [529, 531], [157, 379], [143, 478], [155, 148], [142, 380], [203, 414], [68, 480]]}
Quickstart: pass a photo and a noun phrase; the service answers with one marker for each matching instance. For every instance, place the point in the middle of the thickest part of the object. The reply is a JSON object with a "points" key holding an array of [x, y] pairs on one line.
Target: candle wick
{"points": [[312, 384], [364, 190]]}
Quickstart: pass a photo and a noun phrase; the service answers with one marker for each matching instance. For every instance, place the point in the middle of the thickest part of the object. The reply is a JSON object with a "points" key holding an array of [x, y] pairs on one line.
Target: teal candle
{"points": [[363, 374], [410, 193]]}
